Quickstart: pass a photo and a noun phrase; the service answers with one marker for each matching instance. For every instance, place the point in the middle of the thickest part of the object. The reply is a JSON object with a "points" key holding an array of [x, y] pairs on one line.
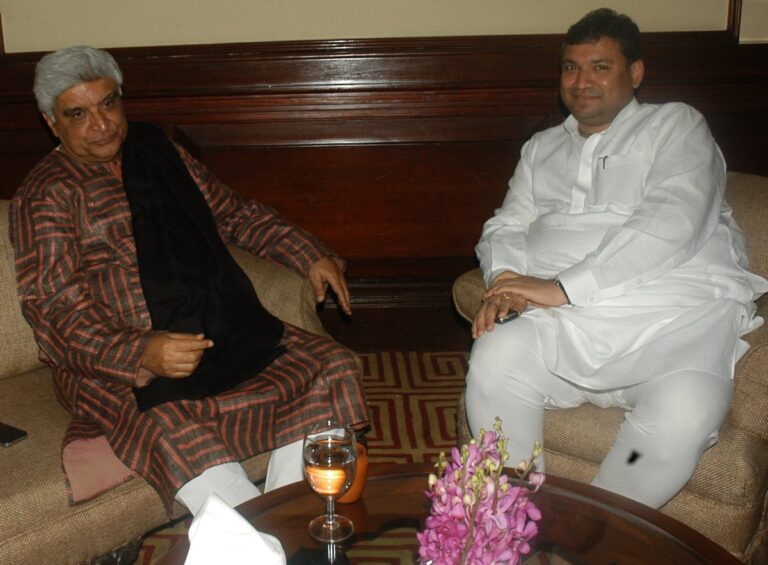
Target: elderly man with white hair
{"points": [[156, 337]]}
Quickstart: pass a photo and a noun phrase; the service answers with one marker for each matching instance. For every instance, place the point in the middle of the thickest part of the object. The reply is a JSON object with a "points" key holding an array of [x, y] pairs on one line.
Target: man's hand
{"points": [[496, 306], [511, 291], [539, 292], [174, 355], [485, 320], [330, 271]]}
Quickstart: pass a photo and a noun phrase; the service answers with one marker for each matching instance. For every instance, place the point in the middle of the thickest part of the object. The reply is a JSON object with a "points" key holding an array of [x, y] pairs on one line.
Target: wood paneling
{"points": [[392, 151]]}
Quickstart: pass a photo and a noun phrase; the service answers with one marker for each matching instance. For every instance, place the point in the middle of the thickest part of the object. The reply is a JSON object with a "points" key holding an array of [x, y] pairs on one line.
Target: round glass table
{"points": [[581, 524]]}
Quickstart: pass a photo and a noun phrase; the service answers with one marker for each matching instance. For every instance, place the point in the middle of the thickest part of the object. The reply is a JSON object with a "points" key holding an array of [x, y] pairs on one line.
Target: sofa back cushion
{"points": [[18, 350]]}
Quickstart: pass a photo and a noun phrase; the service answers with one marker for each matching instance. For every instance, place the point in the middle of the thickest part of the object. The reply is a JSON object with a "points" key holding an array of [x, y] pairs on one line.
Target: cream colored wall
{"points": [[754, 21], [37, 25]]}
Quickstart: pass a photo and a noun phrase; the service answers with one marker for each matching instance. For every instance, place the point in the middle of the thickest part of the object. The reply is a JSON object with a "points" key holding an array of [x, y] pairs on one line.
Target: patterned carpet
{"points": [[412, 405]]}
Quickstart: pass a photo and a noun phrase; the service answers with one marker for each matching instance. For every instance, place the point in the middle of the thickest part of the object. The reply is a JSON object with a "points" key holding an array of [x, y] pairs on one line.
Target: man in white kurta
{"points": [[615, 243]]}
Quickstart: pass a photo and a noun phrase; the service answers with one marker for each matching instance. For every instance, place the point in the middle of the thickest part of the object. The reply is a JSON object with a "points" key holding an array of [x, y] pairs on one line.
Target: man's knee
{"points": [[487, 370], [340, 359], [684, 414], [322, 353], [504, 357]]}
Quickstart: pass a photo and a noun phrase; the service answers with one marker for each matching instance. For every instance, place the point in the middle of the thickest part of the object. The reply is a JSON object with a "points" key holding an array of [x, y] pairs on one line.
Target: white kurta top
{"points": [[633, 222]]}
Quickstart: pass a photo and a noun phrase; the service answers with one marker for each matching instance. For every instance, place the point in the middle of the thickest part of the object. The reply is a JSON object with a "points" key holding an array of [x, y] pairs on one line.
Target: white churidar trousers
{"points": [[671, 419], [230, 482]]}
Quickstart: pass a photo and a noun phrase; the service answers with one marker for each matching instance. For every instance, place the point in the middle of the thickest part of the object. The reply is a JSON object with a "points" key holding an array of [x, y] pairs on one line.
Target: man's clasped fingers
{"points": [[494, 307]]}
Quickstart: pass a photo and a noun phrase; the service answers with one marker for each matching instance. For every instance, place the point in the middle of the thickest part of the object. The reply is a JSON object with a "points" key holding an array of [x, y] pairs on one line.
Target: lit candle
{"points": [[326, 481]]}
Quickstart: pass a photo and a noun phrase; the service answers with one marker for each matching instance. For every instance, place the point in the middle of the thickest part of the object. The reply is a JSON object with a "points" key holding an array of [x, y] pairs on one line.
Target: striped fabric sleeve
{"points": [[73, 331], [255, 226]]}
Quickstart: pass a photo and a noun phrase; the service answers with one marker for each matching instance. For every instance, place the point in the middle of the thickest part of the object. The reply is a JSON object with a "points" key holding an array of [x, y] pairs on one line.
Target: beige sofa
{"points": [[37, 524], [726, 498]]}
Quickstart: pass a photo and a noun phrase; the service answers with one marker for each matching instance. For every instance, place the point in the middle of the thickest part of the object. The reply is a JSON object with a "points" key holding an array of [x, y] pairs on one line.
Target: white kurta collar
{"points": [[572, 125]]}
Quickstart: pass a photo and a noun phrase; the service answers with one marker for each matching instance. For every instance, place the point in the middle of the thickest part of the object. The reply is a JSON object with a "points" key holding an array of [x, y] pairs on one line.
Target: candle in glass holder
{"points": [[361, 474], [326, 481]]}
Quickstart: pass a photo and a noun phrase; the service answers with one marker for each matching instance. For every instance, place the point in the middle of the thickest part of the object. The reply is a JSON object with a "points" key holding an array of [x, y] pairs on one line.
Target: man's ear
{"points": [[51, 123], [637, 72]]}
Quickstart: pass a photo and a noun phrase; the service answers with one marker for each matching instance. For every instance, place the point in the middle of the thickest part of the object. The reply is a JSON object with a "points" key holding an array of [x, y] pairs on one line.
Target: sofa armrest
{"points": [[468, 292], [285, 293], [19, 349]]}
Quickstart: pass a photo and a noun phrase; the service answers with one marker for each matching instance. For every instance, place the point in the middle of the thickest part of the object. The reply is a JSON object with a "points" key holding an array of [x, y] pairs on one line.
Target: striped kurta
{"points": [[79, 285]]}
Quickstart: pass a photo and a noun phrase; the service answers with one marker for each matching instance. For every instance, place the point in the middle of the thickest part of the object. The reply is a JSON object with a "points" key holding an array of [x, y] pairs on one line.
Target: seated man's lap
{"points": [[507, 372], [510, 360], [315, 378]]}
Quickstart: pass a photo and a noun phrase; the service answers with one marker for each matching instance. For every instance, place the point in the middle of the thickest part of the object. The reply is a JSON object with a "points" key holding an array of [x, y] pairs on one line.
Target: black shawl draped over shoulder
{"points": [[190, 281]]}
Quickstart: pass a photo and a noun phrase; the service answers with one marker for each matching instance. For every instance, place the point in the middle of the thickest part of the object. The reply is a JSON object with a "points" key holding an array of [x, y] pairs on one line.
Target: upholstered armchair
{"points": [[725, 500]]}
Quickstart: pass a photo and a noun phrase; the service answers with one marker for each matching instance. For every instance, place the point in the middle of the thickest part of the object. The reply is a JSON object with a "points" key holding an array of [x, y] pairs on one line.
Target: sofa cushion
{"points": [[35, 506], [19, 348], [748, 196]]}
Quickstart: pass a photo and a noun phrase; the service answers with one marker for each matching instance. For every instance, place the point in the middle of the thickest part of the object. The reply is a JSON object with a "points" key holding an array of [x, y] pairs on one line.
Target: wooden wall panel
{"points": [[396, 201], [392, 151], [390, 187]]}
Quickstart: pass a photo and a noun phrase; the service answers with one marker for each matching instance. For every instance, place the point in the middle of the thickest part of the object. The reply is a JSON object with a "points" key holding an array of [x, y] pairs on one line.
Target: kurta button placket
{"points": [[584, 175]]}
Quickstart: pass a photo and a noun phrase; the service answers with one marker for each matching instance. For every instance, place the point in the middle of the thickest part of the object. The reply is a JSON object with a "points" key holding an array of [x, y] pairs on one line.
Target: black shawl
{"points": [[190, 281]]}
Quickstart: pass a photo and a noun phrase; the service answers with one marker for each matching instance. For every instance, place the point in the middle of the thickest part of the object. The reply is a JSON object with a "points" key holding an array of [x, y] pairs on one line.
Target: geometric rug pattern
{"points": [[412, 400], [412, 403]]}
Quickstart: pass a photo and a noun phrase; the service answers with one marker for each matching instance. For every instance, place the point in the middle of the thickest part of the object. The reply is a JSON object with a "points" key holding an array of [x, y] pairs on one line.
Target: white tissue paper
{"points": [[219, 534]]}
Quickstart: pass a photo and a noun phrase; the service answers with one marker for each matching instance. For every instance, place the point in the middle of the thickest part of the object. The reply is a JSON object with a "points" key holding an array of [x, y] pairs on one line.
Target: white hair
{"points": [[63, 69]]}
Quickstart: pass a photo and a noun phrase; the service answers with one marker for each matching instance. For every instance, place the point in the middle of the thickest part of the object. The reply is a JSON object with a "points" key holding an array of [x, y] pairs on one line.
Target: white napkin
{"points": [[219, 534]]}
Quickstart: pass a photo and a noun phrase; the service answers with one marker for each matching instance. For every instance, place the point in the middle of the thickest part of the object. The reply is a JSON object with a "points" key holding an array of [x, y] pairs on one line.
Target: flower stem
{"points": [[470, 540]]}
